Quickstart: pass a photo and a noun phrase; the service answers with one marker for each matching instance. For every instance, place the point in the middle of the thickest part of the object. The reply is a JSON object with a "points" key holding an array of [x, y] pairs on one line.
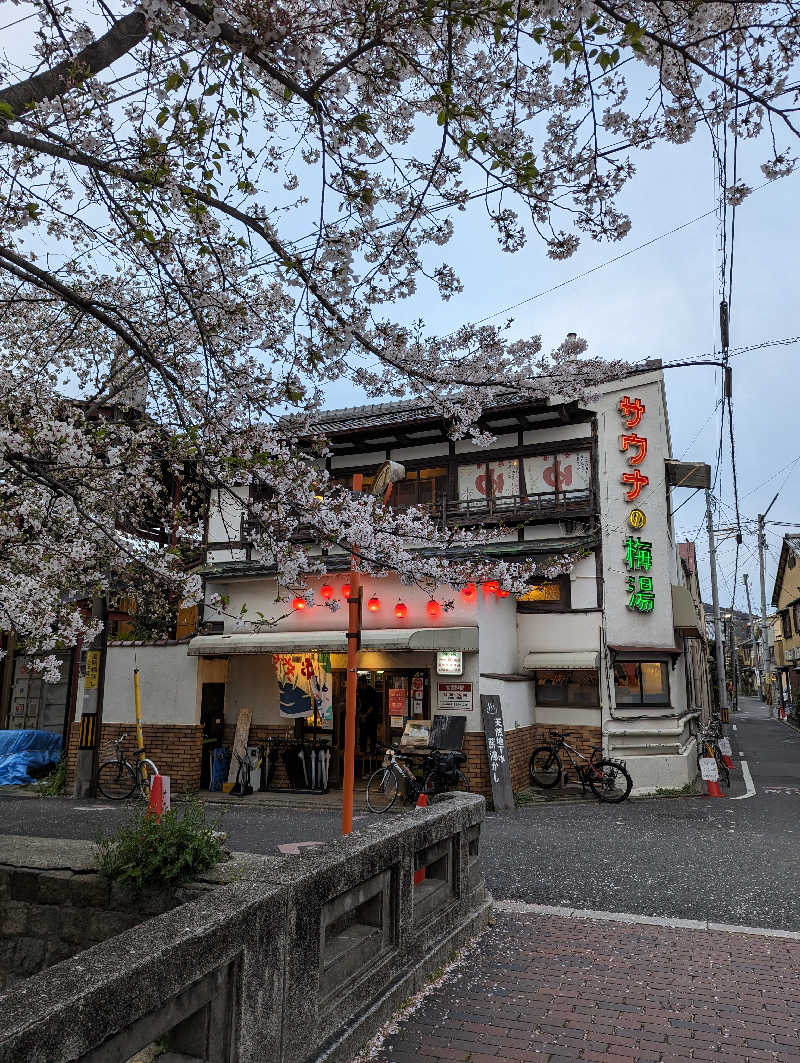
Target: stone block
{"points": [[89, 891], [14, 918], [100, 926], [46, 920], [54, 887], [29, 954], [74, 926], [24, 885], [5, 878]]}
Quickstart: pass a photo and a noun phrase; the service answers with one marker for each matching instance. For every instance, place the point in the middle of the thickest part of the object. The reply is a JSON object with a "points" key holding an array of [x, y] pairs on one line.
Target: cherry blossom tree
{"points": [[166, 332]]}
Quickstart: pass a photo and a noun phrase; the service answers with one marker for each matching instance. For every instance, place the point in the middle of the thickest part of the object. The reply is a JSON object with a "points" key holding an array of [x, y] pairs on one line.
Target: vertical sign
{"points": [[499, 769], [638, 552]]}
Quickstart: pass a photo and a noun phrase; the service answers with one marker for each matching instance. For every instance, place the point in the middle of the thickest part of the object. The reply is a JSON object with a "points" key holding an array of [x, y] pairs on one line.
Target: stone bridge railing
{"points": [[299, 961]]}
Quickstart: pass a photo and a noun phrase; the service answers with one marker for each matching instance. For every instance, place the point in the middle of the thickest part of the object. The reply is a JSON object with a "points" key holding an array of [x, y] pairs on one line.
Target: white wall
{"points": [[224, 514], [168, 681], [516, 699], [259, 595], [556, 632]]}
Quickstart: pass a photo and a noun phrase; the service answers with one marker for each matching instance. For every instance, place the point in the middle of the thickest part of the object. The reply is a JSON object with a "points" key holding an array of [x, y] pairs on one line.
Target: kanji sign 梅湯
{"points": [[638, 553]]}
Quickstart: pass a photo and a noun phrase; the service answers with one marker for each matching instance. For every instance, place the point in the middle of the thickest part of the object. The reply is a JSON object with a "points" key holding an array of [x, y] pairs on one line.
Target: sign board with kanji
{"points": [[725, 747], [456, 696], [709, 771], [497, 752], [398, 702]]}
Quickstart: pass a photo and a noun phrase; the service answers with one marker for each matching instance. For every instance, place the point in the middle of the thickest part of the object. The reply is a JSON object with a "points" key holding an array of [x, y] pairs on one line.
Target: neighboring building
{"points": [[613, 653], [786, 599]]}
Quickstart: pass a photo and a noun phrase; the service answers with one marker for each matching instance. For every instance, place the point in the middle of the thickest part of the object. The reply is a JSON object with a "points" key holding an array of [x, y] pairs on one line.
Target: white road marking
{"points": [[523, 908], [748, 781], [95, 808], [733, 725]]}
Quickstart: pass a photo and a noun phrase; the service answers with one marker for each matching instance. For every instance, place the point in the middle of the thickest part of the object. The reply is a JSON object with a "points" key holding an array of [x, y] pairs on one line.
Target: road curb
{"points": [[511, 907]]}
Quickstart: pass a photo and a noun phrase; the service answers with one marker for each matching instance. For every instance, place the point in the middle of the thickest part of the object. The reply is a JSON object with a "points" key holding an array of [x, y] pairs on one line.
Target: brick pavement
{"points": [[551, 989]]}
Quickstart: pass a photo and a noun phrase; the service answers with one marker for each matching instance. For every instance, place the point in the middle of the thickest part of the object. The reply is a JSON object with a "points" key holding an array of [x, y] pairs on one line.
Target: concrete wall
{"points": [[300, 960], [168, 681]]}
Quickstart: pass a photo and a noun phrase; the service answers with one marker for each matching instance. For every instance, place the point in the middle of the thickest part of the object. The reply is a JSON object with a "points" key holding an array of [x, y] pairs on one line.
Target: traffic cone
{"points": [[422, 801], [713, 789], [159, 800], [727, 761]]}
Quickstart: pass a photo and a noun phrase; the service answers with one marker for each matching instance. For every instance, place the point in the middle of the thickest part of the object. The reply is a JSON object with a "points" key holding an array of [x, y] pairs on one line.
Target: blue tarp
{"points": [[22, 750]]}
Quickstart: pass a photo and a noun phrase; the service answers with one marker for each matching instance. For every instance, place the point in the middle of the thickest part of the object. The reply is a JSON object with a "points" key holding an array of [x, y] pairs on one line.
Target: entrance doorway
{"points": [[212, 719]]}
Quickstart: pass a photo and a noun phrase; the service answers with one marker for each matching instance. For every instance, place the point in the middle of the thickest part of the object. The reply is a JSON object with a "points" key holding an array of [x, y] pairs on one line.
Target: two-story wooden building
{"points": [[601, 653], [786, 599]]}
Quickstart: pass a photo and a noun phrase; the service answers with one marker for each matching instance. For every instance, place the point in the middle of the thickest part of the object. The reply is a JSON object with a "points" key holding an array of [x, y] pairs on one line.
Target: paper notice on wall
{"points": [[708, 769], [725, 747], [398, 702]]}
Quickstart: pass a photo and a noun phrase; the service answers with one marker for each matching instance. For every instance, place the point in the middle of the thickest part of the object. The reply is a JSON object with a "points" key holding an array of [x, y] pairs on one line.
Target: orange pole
{"points": [[353, 633]]}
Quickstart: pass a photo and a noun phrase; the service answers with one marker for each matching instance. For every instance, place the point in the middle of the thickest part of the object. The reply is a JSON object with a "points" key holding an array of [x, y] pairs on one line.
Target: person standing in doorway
{"points": [[368, 706]]}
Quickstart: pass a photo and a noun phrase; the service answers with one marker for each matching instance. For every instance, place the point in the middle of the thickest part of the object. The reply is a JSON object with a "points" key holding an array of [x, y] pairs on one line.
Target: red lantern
{"points": [[374, 604], [433, 607], [326, 591], [346, 591], [491, 587], [401, 610], [503, 594], [299, 604], [469, 593]]}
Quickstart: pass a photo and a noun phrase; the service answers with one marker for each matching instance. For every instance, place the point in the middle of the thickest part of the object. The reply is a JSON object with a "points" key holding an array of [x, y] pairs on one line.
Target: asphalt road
{"points": [[729, 860]]}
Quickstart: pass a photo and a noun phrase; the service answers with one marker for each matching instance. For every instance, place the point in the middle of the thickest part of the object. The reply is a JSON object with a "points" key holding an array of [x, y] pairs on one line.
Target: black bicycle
{"points": [[118, 779], [607, 779]]}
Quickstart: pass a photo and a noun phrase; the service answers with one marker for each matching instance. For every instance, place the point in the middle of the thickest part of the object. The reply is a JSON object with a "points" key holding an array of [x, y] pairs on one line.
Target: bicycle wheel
{"points": [[436, 783], [145, 773], [722, 769], [116, 780], [381, 790], [610, 781], [544, 767]]}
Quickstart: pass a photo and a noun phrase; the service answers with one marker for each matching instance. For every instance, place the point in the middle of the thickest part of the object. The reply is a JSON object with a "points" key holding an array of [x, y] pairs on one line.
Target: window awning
{"points": [[685, 620], [396, 639], [558, 660]]}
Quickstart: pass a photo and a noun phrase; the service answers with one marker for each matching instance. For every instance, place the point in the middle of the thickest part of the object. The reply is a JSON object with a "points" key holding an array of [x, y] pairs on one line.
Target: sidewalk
{"points": [[543, 988]]}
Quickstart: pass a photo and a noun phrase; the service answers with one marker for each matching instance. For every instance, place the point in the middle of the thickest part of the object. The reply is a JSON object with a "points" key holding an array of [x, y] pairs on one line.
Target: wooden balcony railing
{"points": [[472, 511]]}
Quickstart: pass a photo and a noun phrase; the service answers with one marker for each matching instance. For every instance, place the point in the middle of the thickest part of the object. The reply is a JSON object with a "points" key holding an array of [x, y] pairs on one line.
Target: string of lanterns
{"points": [[469, 593]]}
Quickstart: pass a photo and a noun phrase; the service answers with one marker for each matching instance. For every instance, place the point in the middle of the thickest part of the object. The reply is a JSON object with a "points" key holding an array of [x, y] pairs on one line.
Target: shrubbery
{"points": [[148, 854]]}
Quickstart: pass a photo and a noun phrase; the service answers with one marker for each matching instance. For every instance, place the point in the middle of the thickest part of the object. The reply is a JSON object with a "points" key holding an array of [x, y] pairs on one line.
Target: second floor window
{"points": [[488, 479], [421, 487], [786, 624], [796, 617]]}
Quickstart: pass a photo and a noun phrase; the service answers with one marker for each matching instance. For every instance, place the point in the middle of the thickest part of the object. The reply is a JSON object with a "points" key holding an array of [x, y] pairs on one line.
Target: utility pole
{"points": [[756, 648], [712, 554], [762, 543]]}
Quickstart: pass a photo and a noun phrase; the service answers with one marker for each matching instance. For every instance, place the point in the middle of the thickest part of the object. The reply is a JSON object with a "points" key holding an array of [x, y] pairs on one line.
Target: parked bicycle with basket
{"points": [[440, 774], [607, 779], [119, 778]]}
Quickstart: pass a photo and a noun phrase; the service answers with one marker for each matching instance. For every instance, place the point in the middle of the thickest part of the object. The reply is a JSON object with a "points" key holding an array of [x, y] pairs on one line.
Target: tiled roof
{"points": [[513, 551]]}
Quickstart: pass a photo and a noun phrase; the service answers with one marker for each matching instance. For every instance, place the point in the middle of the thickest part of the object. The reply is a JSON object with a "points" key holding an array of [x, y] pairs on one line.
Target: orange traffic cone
{"points": [[713, 789], [159, 800], [422, 801]]}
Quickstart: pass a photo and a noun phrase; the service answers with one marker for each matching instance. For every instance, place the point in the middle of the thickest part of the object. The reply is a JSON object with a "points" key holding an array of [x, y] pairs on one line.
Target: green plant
{"points": [[54, 784], [148, 853]]}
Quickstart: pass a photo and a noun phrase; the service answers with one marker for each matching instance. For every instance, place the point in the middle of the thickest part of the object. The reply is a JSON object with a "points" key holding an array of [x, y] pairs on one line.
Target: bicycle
{"points": [[708, 746], [445, 774], [118, 778], [608, 779]]}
